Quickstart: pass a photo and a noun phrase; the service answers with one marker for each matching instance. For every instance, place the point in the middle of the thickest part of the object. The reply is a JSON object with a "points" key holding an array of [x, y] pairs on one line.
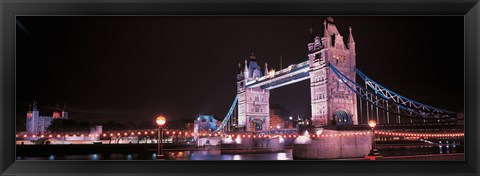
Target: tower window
{"points": [[333, 40]]}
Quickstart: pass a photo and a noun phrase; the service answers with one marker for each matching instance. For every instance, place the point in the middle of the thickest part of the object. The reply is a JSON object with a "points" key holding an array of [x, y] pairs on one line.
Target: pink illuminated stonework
{"points": [[332, 102]]}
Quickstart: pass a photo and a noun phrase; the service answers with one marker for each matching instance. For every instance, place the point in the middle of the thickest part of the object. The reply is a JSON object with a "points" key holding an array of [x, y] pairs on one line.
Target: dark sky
{"points": [[132, 68]]}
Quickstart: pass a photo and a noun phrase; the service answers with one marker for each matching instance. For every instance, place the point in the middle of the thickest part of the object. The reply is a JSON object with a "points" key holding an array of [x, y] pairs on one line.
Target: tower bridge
{"points": [[337, 99]]}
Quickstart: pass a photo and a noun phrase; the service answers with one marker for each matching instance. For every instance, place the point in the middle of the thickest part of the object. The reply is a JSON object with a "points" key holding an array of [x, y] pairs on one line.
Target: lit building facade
{"points": [[253, 103], [37, 124], [276, 121], [332, 102]]}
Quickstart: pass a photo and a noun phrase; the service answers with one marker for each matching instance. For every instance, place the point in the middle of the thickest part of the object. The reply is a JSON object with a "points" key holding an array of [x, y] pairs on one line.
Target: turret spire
{"points": [[266, 69], [351, 42], [325, 31], [245, 71], [350, 38]]}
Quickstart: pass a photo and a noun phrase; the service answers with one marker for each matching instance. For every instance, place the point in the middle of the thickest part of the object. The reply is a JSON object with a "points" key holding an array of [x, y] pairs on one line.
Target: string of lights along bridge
{"points": [[191, 134]]}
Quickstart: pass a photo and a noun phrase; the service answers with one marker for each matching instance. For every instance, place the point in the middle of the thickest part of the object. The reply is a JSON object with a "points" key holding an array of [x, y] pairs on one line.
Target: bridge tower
{"points": [[253, 103], [331, 101]]}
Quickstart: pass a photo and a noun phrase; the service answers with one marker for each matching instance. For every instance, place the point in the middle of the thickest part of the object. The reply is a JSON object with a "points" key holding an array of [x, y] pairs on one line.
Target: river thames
{"points": [[217, 155]]}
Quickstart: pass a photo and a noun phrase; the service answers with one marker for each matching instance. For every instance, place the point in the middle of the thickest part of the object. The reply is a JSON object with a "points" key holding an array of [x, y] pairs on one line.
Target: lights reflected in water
{"points": [[282, 156], [94, 157], [237, 157]]}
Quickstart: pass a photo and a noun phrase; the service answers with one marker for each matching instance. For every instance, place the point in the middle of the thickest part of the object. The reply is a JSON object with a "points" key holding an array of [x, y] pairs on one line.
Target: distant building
{"points": [[37, 124], [276, 121]]}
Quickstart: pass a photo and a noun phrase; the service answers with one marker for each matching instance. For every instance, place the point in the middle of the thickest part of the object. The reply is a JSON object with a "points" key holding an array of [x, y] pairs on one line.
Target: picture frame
{"points": [[9, 166]]}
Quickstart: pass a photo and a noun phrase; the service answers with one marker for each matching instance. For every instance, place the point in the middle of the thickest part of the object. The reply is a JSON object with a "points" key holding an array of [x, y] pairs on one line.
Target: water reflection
{"points": [[237, 157], [217, 155], [282, 156], [94, 157], [154, 156]]}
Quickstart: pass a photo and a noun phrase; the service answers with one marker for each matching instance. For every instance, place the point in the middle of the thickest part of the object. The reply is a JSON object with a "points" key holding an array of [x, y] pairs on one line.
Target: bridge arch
{"points": [[257, 124], [342, 117]]}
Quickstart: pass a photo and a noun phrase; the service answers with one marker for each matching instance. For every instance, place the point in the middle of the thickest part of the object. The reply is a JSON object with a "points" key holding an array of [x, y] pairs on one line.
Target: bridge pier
{"points": [[335, 145]]}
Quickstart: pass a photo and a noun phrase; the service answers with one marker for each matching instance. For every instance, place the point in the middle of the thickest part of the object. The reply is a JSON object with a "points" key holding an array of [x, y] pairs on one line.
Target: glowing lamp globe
{"points": [[161, 120], [372, 123]]}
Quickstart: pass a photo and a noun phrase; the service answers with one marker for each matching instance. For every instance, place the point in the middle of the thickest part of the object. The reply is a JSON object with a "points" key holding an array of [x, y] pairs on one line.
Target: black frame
{"points": [[9, 9]]}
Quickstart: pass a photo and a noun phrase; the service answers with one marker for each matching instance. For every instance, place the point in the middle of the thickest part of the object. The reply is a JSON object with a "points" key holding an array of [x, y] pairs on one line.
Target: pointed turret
{"points": [[266, 69], [245, 71], [326, 36], [350, 38], [351, 41], [325, 31]]}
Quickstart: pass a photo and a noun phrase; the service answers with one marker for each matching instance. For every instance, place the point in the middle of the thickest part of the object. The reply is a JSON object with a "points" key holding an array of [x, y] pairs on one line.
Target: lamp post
{"points": [[374, 152], [160, 122]]}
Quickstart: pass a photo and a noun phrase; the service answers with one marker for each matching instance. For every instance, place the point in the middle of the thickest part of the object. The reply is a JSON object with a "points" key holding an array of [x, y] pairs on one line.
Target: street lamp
{"points": [[374, 152], [160, 122]]}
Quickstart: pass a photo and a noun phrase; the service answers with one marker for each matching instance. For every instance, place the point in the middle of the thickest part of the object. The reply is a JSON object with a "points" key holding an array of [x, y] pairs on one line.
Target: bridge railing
{"points": [[284, 71], [278, 131]]}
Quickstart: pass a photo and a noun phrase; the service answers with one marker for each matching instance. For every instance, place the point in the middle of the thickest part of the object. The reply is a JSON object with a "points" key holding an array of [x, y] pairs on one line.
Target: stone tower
{"points": [[253, 103], [332, 102], [32, 119]]}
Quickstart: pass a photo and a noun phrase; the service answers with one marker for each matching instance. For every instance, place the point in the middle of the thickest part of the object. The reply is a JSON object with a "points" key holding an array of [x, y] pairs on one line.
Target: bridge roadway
{"points": [[291, 74], [450, 126]]}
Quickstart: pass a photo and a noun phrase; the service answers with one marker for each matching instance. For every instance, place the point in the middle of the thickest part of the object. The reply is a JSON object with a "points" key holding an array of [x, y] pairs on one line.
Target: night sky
{"points": [[133, 68]]}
